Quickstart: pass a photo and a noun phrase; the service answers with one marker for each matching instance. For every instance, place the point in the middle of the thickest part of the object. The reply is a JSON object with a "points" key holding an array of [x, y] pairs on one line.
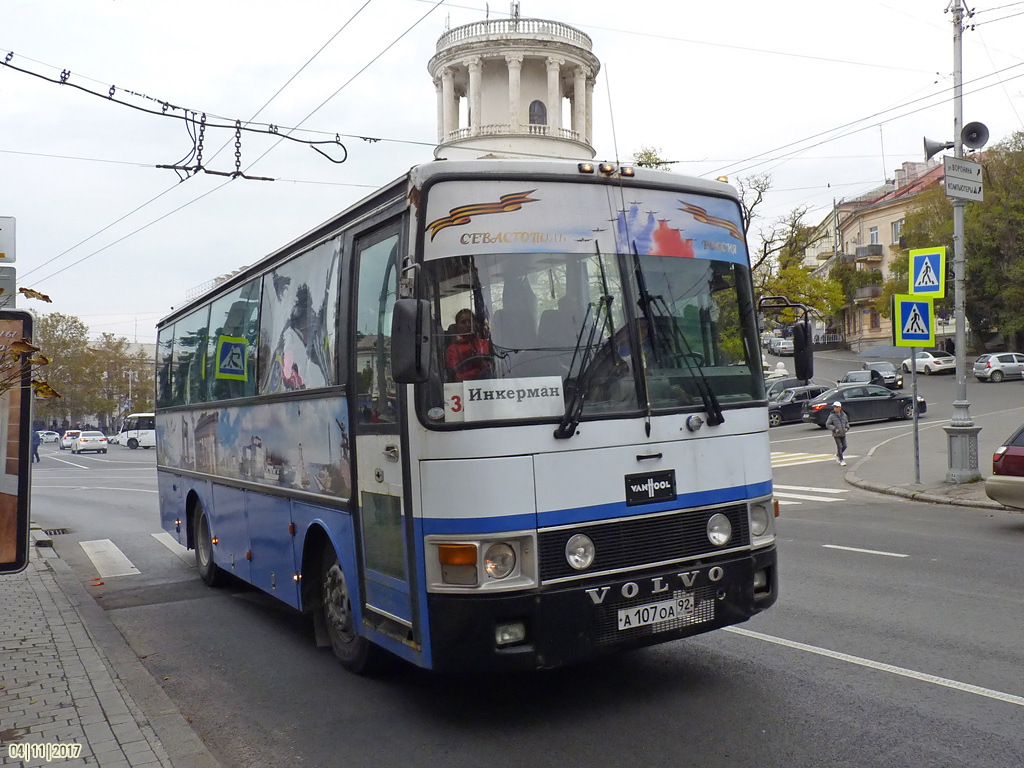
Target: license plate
{"points": [[654, 613]]}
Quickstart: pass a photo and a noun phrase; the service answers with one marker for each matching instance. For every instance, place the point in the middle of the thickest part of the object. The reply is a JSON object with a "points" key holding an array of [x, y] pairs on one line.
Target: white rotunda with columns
{"points": [[514, 87]]}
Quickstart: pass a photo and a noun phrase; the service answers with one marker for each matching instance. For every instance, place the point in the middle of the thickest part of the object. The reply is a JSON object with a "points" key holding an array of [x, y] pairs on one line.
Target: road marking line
{"points": [[1009, 698], [93, 488], [182, 553], [783, 503], [65, 461], [827, 499], [865, 551], [810, 488], [108, 559]]}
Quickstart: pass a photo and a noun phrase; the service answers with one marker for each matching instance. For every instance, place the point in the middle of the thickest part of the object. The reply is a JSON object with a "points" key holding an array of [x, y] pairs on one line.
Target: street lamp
{"points": [[961, 434]]}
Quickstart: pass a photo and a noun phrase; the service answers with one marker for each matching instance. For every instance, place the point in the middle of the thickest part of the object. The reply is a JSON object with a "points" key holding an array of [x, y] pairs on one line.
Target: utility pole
{"points": [[961, 434]]}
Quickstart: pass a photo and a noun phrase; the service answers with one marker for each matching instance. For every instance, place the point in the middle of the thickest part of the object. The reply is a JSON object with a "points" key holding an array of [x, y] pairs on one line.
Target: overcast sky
{"points": [[829, 98]]}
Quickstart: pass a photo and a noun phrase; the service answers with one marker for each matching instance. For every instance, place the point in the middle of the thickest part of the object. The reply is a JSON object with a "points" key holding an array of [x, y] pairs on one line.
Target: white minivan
{"points": [[138, 429]]}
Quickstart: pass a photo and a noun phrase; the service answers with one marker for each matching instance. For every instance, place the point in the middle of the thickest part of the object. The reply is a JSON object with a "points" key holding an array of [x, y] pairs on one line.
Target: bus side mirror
{"points": [[410, 341], [803, 352]]}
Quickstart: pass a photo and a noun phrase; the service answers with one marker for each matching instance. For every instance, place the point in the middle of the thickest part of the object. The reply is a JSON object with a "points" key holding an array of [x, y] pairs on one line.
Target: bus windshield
{"points": [[516, 334]]}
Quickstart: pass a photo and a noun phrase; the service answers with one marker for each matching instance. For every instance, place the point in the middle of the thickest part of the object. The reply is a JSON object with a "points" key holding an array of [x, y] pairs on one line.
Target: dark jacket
{"points": [[838, 423], [35, 439]]}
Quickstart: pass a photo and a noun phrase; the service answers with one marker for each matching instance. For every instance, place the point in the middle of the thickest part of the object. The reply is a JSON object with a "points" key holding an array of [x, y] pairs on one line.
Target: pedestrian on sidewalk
{"points": [[35, 446], [839, 424]]}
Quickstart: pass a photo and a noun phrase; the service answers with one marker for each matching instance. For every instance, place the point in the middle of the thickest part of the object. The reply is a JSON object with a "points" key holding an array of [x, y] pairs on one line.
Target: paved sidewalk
{"points": [[69, 684], [889, 465]]}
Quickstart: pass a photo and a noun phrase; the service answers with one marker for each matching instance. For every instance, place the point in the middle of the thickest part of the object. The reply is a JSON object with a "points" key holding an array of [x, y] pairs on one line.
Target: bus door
{"points": [[385, 528]]}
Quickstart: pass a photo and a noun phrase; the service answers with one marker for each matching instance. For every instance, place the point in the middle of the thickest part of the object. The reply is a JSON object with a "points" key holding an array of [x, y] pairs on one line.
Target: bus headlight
{"points": [[580, 551], [499, 560], [719, 529], [762, 522], [759, 519]]}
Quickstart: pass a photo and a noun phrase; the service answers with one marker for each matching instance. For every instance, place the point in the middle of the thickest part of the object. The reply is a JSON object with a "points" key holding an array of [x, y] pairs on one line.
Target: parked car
{"points": [[858, 377], [774, 387], [46, 436], [784, 347], [929, 362], [89, 441], [1006, 483], [788, 406], [999, 366], [67, 437], [862, 402], [889, 373]]}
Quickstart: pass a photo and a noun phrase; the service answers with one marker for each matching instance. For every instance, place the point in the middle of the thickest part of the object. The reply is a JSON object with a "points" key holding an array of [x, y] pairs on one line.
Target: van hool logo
{"points": [[464, 213], [647, 487]]}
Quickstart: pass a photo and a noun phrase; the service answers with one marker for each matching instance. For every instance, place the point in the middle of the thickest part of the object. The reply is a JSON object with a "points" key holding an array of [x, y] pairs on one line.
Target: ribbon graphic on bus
{"points": [[464, 213]]}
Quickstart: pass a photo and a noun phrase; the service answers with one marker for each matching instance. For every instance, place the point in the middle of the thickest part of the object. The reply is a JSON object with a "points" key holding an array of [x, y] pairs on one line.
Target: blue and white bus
{"points": [[502, 414]]}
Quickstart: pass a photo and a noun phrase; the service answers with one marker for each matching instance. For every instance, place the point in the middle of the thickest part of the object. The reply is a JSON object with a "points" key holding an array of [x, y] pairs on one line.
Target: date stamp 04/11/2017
{"points": [[46, 751]]}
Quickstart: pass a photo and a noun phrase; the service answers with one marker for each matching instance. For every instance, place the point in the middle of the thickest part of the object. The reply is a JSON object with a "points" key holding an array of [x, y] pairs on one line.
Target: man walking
{"points": [[35, 447], [840, 425]]}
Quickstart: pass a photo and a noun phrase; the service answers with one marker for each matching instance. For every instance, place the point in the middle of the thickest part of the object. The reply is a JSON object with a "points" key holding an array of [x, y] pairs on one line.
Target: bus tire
{"points": [[208, 570], [133, 443], [356, 653]]}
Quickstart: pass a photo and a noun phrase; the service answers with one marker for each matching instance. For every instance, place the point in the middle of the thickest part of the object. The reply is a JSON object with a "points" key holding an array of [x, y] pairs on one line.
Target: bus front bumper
{"points": [[570, 623]]}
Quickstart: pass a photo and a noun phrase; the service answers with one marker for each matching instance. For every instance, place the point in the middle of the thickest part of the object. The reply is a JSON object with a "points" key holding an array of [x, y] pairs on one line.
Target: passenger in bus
{"points": [[469, 356]]}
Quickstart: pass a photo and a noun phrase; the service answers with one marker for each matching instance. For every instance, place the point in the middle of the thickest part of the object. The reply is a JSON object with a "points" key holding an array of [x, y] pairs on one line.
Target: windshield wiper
{"points": [[655, 308], [574, 408]]}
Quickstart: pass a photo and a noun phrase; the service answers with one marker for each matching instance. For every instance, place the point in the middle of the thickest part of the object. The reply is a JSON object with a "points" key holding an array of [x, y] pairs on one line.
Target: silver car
{"points": [[998, 366]]}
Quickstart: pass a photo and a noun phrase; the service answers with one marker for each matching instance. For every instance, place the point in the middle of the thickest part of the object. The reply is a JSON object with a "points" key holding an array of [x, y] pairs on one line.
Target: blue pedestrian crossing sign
{"points": [[231, 358], [928, 272], [914, 317]]}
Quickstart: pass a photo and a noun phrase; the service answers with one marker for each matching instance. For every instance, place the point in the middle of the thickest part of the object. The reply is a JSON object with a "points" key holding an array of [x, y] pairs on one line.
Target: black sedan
{"points": [[789, 405], [863, 402]]}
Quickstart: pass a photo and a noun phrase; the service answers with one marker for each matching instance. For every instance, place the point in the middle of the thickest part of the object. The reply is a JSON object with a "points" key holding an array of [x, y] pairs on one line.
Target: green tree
{"points": [[650, 157], [108, 366], [994, 243], [66, 340]]}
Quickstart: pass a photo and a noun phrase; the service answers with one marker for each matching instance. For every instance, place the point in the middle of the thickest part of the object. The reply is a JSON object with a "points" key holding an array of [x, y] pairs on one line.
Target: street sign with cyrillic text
{"points": [[962, 178]]}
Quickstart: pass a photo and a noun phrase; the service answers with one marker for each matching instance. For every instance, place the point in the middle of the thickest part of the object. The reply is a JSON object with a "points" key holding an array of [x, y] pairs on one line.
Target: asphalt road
{"points": [[895, 642]]}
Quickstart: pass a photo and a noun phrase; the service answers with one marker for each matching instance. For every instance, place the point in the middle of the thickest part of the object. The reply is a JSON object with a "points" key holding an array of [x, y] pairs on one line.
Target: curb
{"points": [[179, 741], [925, 496]]}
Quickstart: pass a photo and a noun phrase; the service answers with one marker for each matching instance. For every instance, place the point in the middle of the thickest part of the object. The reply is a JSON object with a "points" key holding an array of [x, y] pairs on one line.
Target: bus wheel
{"points": [[355, 653], [208, 570], [133, 443]]}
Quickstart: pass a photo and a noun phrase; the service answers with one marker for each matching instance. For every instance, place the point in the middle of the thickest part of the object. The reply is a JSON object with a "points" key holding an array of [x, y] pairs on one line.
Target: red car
{"points": [[1006, 484]]}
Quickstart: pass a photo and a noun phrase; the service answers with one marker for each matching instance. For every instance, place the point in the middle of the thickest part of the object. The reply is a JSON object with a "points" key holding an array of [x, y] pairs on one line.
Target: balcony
{"points": [[867, 293], [869, 253]]}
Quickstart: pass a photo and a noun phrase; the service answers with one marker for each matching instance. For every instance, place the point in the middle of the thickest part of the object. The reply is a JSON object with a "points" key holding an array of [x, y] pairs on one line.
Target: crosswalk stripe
{"points": [[182, 553], [783, 459], [805, 497], [108, 559], [810, 488]]}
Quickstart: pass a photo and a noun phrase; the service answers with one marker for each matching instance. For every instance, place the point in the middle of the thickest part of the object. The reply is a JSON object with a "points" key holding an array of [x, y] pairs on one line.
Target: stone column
{"points": [[450, 116], [515, 66], [579, 102], [440, 110], [554, 96], [475, 98], [590, 110]]}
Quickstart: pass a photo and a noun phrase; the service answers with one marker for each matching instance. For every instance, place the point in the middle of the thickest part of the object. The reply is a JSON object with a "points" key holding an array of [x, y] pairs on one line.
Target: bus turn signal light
{"points": [[457, 554]]}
